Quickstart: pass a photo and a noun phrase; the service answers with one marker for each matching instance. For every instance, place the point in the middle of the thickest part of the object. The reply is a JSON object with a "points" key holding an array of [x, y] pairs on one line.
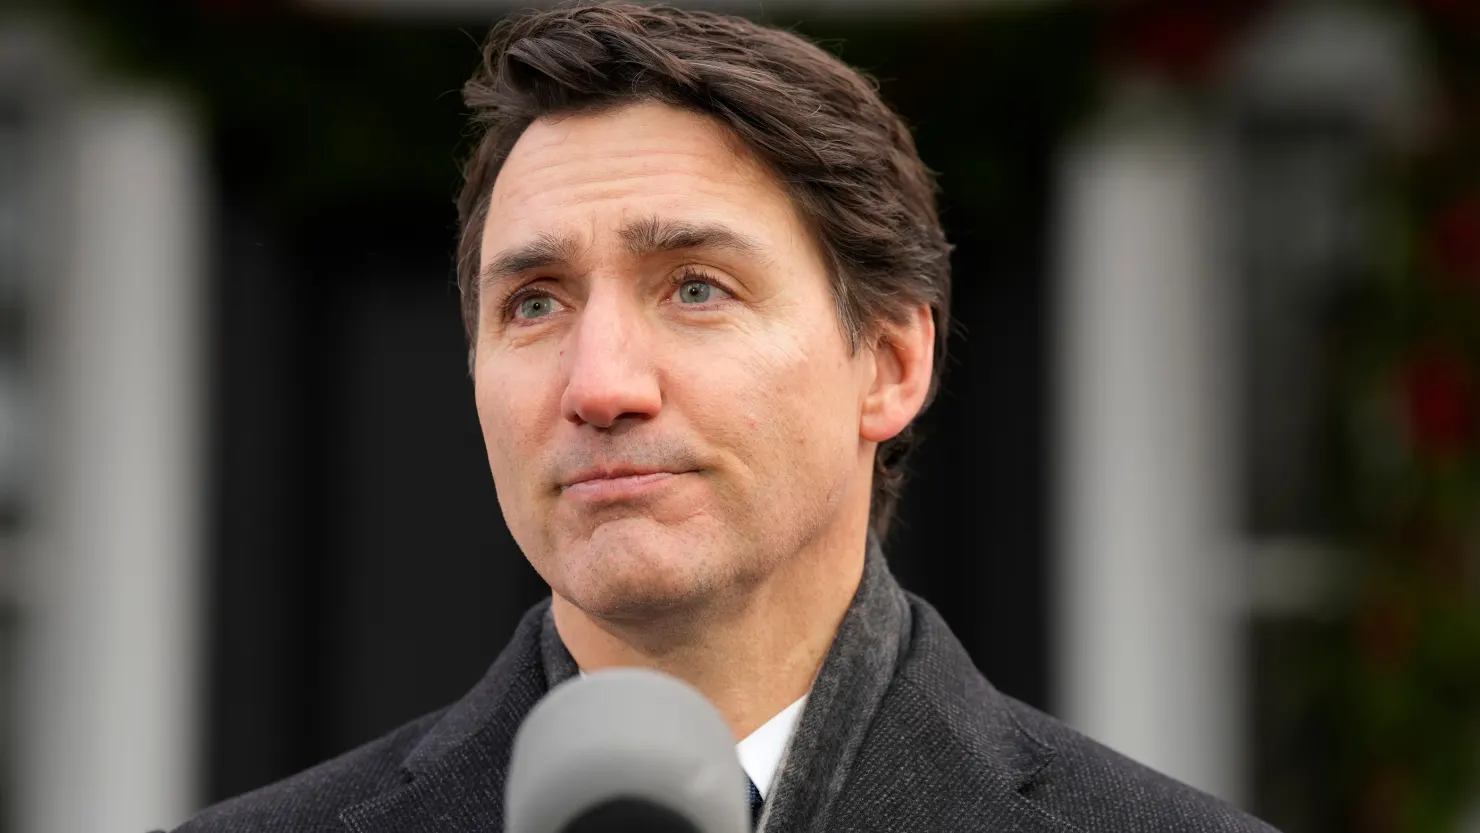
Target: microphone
{"points": [[623, 750]]}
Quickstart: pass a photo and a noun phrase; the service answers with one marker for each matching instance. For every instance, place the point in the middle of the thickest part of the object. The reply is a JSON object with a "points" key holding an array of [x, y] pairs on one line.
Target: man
{"points": [[705, 290]]}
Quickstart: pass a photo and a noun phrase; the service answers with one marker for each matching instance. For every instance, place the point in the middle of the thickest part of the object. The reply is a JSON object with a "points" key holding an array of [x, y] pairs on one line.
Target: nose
{"points": [[610, 374]]}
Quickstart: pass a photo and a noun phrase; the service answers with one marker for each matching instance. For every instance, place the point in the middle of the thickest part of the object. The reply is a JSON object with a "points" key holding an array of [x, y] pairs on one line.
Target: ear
{"points": [[904, 359]]}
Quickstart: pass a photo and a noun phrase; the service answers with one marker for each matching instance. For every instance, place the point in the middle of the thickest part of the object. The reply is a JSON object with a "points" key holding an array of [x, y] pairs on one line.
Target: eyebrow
{"points": [[654, 236], [648, 236], [544, 251]]}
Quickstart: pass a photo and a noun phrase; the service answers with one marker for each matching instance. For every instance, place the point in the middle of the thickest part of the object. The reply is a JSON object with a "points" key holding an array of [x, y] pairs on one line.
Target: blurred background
{"points": [[1204, 478]]}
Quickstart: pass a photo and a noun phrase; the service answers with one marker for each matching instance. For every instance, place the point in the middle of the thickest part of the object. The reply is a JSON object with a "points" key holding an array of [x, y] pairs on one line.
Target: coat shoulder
{"points": [[1077, 783], [1093, 787], [312, 799]]}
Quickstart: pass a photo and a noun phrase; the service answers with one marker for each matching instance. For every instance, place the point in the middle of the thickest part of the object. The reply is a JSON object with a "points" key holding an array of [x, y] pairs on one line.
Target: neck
{"points": [[751, 657]]}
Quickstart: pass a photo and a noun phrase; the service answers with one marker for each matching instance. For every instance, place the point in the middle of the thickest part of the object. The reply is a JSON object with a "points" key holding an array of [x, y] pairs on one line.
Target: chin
{"points": [[636, 569]]}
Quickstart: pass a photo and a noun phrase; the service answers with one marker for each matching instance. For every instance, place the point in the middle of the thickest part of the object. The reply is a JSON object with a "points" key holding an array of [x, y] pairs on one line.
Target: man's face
{"points": [[669, 404]]}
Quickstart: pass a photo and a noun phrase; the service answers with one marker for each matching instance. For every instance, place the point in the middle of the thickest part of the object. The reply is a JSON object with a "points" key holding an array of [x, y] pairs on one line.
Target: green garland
{"points": [[1402, 679]]}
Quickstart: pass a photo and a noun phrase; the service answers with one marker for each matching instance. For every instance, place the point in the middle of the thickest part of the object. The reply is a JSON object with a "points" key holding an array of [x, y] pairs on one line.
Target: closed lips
{"points": [[614, 474]]}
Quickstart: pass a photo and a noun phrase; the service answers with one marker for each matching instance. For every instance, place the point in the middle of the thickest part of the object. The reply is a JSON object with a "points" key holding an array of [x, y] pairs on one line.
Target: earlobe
{"points": [[904, 358]]}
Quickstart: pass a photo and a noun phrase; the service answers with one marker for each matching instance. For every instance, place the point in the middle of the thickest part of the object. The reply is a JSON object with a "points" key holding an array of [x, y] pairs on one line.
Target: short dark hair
{"points": [[847, 160]]}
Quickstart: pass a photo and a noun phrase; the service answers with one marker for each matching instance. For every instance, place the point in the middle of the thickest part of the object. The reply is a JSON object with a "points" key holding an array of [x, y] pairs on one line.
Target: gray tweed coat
{"points": [[900, 734]]}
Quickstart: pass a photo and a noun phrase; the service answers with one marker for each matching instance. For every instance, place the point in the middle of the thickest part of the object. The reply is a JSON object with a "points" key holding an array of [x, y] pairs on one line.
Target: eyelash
{"points": [[511, 300], [691, 273]]}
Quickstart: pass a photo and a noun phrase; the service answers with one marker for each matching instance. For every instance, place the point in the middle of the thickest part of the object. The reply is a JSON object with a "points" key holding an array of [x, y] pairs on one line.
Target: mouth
{"points": [[619, 484]]}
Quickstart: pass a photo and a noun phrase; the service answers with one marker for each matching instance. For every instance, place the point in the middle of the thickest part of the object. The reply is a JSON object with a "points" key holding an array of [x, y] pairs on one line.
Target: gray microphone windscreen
{"points": [[625, 749]]}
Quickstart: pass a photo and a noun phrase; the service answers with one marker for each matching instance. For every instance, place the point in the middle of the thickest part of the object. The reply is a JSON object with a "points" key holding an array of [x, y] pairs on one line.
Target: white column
{"points": [[1149, 660], [109, 723]]}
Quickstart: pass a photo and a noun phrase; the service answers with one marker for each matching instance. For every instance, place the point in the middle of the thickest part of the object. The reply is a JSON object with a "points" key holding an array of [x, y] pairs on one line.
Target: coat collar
{"points": [[902, 733], [935, 748], [945, 751], [453, 780]]}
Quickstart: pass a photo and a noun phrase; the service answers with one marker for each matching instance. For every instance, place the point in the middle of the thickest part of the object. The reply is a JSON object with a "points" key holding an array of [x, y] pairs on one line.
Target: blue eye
{"points": [[695, 292], [536, 306]]}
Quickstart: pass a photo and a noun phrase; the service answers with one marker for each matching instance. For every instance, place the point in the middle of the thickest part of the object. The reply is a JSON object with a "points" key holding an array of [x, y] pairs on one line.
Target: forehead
{"points": [[586, 173]]}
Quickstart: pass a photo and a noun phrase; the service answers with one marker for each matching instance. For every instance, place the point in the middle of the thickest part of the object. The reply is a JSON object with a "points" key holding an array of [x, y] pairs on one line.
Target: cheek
{"points": [[783, 402], [509, 404], [816, 404]]}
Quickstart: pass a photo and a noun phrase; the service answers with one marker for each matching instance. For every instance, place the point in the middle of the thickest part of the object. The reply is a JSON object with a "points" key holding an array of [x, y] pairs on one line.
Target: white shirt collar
{"points": [[760, 753]]}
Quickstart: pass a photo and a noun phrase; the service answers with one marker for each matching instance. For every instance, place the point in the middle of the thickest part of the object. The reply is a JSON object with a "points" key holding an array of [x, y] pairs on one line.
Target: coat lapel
{"points": [[915, 773], [941, 753], [453, 782]]}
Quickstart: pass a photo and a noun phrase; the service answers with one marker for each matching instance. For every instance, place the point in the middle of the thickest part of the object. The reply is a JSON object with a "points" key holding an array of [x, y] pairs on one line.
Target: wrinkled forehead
{"points": [[586, 176]]}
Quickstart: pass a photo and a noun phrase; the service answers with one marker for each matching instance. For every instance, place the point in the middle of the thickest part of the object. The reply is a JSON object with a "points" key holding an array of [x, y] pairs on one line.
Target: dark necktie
{"points": [[756, 803]]}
